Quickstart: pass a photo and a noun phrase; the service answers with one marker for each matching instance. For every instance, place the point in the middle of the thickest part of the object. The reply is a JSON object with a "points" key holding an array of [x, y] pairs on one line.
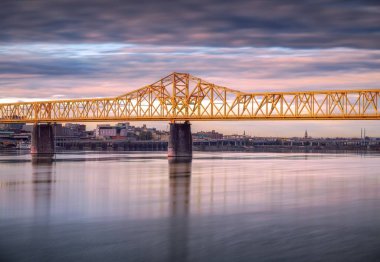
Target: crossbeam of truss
{"points": [[180, 97]]}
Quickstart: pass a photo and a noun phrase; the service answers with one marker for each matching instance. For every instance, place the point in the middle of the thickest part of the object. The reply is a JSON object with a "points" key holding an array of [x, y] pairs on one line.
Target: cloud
{"points": [[260, 23], [88, 70]]}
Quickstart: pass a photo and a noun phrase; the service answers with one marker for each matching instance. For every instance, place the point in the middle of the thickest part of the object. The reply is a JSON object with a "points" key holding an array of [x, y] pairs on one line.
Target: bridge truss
{"points": [[180, 97]]}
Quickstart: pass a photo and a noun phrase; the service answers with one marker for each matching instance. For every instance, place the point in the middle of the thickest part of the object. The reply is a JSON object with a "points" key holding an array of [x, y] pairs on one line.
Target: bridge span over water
{"points": [[182, 97]]}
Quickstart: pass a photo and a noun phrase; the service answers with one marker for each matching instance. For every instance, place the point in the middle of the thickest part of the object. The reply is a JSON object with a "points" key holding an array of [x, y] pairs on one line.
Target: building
{"points": [[105, 131], [208, 135], [62, 131], [78, 129], [119, 131], [126, 131], [160, 136], [12, 126]]}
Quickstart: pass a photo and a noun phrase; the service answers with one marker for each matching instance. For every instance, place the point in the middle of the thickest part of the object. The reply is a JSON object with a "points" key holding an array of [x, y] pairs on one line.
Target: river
{"points": [[219, 207]]}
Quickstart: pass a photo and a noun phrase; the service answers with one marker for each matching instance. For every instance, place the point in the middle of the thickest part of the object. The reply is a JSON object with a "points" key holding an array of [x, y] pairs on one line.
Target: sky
{"points": [[74, 49]]}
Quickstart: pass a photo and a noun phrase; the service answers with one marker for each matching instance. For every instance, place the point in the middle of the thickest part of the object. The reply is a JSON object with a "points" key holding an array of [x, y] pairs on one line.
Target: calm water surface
{"points": [[233, 207]]}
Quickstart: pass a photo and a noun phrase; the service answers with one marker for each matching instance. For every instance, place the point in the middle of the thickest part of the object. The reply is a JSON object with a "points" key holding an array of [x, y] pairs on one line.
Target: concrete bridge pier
{"points": [[180, 141], [42, 148]]}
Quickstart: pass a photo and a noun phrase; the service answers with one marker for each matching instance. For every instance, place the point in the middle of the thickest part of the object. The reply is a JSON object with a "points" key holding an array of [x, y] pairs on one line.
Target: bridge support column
{"points": [[42, 148], [180, 140]]}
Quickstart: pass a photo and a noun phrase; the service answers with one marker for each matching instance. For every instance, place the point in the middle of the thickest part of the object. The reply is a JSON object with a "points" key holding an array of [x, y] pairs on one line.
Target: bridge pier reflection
{"points": [[180, 140], [179, 167], [42, 148], [179, 201], [43, 178]]}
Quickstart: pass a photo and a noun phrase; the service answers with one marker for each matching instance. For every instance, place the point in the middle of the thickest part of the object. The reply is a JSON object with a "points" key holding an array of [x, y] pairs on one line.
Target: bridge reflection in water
{"points": [[142, 207], [43, 178], [179, 172], [179, 201]]}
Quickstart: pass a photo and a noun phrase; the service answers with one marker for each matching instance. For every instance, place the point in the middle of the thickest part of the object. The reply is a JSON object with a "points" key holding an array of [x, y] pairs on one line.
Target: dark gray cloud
{"points": [[103, 61], [263, 23], [53, 67], [86, 70]]}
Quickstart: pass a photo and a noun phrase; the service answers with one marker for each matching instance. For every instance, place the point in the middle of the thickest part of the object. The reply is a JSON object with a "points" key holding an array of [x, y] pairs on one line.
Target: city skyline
{"points": [[219, 127], [106, 50]]}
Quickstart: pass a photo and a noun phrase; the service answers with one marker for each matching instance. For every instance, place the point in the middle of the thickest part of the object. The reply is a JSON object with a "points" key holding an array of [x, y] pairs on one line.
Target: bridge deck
{"points": [[180, 97]]}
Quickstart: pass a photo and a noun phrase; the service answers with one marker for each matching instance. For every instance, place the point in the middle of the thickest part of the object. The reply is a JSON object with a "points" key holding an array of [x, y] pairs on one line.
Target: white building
{"points": [[103, 131]]}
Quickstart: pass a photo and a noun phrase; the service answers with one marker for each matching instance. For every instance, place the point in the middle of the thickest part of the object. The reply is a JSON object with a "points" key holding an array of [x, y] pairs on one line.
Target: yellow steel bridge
{"points": [[181, 97]]}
